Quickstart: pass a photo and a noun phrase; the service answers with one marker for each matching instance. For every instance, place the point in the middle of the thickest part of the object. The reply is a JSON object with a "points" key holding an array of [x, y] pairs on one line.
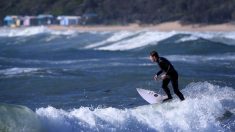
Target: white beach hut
{"points": [[68, 20]]}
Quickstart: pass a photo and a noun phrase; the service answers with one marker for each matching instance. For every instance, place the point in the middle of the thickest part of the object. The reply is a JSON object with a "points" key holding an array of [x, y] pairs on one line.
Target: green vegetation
{"points": [[128, 11]]}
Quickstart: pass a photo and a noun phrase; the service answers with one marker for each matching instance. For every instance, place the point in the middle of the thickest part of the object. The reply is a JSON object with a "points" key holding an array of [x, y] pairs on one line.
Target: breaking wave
{"points": [[29, 31], [203, 110], [18, 71]]}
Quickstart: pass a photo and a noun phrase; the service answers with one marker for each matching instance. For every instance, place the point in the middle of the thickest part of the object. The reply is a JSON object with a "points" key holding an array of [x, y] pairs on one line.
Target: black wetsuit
{"points": [[168, 68]]}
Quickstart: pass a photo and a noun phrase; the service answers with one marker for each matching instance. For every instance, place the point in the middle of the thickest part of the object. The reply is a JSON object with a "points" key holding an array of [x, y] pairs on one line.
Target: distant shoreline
{"points": [[167, 26], [163, 27]]}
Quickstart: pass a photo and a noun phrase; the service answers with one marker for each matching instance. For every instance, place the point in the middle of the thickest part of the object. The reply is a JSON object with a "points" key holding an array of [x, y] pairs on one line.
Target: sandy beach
{"points": [[168, 26]]}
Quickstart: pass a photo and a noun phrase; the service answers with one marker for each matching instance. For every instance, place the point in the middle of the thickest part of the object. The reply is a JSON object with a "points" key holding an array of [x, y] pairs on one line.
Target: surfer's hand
{"points": [[155, 77]]}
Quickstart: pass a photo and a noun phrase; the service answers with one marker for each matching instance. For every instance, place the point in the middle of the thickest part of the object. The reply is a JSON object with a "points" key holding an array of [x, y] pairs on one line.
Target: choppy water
{"points": [[86, 81]]}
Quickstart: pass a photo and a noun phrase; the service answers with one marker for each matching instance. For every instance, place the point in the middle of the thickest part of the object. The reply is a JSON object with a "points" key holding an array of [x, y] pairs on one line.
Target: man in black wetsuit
{"points": [[167, 74]]}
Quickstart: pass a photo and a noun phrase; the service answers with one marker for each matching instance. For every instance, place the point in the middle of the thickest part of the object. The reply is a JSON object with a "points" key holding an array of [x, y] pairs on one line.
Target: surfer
{"points": [[167, 74]]}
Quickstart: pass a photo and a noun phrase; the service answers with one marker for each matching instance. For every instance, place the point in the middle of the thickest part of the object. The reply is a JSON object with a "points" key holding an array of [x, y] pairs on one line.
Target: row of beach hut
{"points": [[16, 21]]}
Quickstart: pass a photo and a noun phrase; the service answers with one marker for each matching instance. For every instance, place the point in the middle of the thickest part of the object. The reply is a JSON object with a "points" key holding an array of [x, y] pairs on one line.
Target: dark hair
{"points": [[154, 53]]}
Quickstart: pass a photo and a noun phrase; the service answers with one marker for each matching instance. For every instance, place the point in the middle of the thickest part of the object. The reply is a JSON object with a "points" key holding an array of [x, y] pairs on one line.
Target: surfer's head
{"points": [[153, 56]]}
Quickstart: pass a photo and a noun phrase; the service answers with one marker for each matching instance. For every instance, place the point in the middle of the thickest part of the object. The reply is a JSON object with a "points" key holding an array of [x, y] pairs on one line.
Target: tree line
{"points": [[128, 11]]}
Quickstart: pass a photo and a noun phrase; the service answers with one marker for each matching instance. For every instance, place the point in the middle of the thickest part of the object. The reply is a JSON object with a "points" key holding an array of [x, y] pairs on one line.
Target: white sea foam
{"points": [[188, 38], [113, 38], [149, 38], [199, 112], [222, 37], [143, 39], [120, 40], [64, 32], [29, 31], [18, 71], [7, 32]]}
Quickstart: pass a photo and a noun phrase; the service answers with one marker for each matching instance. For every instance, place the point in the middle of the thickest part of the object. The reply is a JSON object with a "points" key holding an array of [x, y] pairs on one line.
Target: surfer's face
{"points": [[153, 58]]}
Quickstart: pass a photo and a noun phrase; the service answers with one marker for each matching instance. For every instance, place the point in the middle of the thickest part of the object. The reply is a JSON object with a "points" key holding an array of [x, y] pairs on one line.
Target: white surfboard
{"points": [[150, 96]]}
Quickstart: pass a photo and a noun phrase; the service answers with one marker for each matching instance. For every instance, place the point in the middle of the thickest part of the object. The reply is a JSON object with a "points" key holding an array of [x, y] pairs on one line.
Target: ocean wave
{"points": [[113, 38], [202, 58], [29, 31], [197, 58], [18, 118], [121, 41], [7, 32], [222, 37], [201, 111], [46, 62], [143, 39], [18, 71]]}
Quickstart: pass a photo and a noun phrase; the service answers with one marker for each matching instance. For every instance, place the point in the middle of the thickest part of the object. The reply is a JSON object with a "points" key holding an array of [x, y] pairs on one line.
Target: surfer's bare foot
{"points": [[167, 99]]}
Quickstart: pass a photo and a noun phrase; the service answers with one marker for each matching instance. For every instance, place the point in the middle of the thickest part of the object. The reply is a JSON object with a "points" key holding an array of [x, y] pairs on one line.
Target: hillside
{"points": [[129, 11]]}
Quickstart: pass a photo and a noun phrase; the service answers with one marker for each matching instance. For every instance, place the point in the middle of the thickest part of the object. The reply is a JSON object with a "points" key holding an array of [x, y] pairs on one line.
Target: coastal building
{"points": [[30, 21], [68, 20], [13, 21], [45, 19]]}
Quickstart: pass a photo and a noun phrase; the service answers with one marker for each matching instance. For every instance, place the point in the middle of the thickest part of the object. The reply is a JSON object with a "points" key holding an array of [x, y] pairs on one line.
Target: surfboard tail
{"points": [[151, 97]]}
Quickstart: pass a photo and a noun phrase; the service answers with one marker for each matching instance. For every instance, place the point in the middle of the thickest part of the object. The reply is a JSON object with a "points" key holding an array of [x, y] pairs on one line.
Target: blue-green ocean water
{"points": [[86, 81]]}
